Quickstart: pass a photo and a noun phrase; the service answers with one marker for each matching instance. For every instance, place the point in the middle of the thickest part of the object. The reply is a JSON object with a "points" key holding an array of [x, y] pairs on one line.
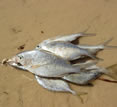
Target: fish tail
{"points": [[93, 56], [87, 34], [73, 92], [86, 64], [79, 94], [111, 71], [105, 44], [83, 33]]}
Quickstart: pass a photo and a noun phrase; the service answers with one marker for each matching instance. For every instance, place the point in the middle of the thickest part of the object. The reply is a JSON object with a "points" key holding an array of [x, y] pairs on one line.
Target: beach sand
{"points": [[31, 21]]}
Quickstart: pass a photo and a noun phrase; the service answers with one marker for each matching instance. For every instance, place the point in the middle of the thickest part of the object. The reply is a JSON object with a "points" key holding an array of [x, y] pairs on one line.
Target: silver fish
{"points": [[96, 48], [43, 63], [66, 50], [67, 38], [57, 85], [110, 71], [54, 84], [83, 78], [90, 73], [60, 45]]}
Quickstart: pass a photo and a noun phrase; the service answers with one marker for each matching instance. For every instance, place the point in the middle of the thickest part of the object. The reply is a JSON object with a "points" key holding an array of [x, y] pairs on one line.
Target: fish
{"points": [[66, 50], [91, 73], [54, 84], [110, 71], [71, 52], [84, 77], [58, 86], [96, 48], [43, 63], [63, 43], [66, 38]]}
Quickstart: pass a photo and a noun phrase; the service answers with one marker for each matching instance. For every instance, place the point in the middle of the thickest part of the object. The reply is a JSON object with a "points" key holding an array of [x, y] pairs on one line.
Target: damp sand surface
{"points": [[25, 23]]}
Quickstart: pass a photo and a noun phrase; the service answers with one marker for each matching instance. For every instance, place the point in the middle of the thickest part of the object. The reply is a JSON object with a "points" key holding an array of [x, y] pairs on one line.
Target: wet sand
{"points": [[31, 21]]}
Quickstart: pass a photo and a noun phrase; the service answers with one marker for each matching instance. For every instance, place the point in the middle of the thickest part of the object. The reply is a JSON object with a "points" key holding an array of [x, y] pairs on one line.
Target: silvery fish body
{"points": [[54, 70], [67, 38], [66, 50], [83, 77], [88, 74], [43, 63], [109, 71], [54, 85]]}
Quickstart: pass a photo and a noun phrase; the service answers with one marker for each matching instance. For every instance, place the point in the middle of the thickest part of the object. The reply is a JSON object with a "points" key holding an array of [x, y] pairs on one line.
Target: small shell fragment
{"points": [[4, 61]]}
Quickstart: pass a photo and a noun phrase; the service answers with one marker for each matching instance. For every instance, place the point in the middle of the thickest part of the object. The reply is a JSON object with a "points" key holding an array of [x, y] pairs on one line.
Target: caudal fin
{"points": [[93, 56], [105, 44], [79, 94], [112, 71], [83, 33]]}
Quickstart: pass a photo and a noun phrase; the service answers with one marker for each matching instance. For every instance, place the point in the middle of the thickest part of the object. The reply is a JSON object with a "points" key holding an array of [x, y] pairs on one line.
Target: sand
{"points": [[31, 21]]}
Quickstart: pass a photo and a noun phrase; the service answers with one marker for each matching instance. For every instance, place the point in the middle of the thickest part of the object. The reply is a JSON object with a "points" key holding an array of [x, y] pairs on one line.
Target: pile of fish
{"points": [[51, 63]]}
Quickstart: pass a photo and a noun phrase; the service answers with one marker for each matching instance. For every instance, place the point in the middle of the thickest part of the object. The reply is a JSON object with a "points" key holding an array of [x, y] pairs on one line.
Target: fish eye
{"points": [[38, 46], [19, 64], [20, 57]]}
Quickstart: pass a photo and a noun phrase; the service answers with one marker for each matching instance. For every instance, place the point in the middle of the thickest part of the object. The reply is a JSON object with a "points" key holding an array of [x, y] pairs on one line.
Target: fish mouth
{"points": [[13, 63], [16, 64]]}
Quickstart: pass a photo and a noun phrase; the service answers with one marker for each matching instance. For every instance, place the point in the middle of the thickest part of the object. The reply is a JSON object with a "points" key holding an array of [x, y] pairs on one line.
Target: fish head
{"points": [[43, 44], [40, 46], [20, 60]]}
